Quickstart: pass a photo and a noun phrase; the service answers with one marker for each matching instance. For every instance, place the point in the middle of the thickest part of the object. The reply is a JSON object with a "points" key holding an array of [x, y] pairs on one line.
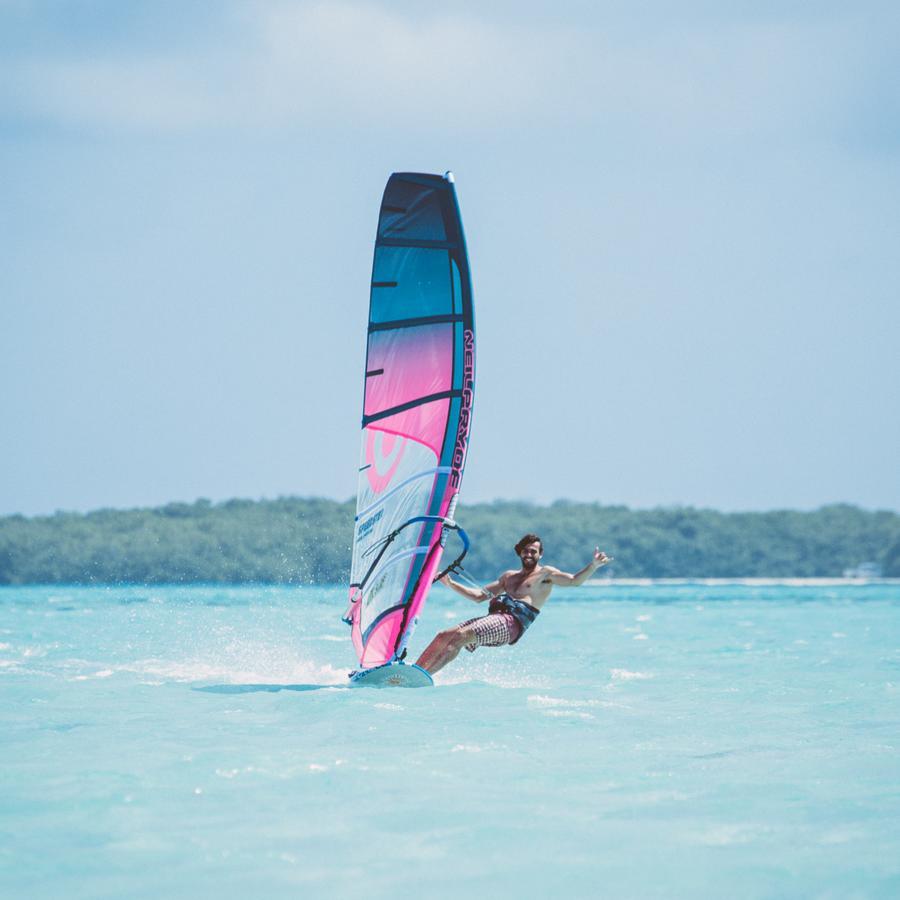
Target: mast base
{"points": [[393, 674]]}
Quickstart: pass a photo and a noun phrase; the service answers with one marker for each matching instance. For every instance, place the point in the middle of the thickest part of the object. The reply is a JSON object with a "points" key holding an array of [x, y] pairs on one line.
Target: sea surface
{"points": [[689, 740]]}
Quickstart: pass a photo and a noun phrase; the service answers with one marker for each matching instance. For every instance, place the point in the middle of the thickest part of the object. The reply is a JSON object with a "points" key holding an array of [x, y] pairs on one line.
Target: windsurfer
{"points": [[516, 598]]}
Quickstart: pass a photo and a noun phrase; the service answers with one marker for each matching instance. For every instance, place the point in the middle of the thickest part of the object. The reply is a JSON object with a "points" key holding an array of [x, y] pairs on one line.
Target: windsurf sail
{"points": [[417, 411]]}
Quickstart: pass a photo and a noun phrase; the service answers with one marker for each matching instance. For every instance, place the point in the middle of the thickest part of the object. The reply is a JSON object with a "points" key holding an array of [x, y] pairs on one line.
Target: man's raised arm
{"points": [[564, 579]]}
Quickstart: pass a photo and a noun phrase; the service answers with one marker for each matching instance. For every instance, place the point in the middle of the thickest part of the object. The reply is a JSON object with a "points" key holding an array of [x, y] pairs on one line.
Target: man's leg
{"points": [[445, 648]]}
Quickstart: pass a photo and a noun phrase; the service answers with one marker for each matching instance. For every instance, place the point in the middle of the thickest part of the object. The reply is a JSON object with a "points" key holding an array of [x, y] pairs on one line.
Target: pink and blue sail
{"points": [[417, 412]]}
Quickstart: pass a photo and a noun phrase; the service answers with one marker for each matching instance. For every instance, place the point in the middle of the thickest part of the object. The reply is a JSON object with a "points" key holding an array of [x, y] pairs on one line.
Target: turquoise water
{"points": [[657, 741]]}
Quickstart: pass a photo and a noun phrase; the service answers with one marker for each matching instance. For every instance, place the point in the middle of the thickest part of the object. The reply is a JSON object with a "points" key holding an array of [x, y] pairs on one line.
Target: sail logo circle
{"points": [[383, 454]]}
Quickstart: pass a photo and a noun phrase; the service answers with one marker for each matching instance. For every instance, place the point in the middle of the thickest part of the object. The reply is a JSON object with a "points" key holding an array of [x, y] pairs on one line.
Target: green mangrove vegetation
{"points": [[307, 540]]}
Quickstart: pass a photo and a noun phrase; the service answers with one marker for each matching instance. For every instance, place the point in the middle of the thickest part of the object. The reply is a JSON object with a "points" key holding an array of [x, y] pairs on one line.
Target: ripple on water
{"points": [[625, 675]]}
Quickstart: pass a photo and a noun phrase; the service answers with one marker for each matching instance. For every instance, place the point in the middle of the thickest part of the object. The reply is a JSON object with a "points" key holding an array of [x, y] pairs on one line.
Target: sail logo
{"points": [[465, 412], [383, 454], [369, 524]]}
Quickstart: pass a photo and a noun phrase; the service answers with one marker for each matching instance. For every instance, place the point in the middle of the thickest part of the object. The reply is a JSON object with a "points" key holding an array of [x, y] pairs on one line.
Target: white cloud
{"points": [[362, 60], [337, 62], [154, 95], [359, 65]]}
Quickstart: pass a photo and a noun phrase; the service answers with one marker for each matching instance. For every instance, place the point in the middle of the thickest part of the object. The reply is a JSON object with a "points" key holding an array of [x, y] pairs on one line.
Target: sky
{"points": [[682, 223]]}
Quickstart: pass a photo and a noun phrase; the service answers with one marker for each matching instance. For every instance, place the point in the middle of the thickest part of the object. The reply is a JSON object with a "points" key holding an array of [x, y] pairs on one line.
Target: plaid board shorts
{"points": [[492, 631]]}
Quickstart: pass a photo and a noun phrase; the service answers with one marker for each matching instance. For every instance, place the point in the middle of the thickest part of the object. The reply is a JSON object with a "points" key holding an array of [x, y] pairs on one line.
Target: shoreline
{"points": [[592, 582], [747, 582]]}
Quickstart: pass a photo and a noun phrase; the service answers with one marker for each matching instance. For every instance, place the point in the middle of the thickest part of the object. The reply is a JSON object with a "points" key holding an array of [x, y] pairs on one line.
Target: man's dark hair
{"points": [[525, 541]]}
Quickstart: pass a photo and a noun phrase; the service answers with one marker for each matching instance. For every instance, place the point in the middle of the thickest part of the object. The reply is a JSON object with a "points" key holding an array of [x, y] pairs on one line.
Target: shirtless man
{"points": [[516, 598]]}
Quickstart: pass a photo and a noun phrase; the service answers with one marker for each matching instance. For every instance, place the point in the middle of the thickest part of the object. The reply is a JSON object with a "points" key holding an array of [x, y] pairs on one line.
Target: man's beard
{"points": [[529, 563]]}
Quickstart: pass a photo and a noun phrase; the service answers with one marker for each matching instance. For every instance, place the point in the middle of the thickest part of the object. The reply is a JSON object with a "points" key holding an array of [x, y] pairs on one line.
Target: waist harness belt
{"points": [[524, 613]]}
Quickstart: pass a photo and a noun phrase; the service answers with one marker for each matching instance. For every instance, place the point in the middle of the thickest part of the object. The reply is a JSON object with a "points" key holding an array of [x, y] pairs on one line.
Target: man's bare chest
{"points": [[536, 586]]}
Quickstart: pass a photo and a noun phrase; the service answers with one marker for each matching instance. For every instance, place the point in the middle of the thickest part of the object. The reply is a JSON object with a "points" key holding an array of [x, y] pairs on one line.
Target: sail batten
{"points": [[412, 323], [418, 390]]}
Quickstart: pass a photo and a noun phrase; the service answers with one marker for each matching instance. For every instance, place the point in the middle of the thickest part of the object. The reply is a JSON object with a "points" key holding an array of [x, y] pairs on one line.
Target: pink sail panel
{"points": [[415, 363], [425, 424]]}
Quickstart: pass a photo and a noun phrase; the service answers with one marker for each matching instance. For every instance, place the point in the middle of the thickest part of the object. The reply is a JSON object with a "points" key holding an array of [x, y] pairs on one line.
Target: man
{"points": [[516, 598]]}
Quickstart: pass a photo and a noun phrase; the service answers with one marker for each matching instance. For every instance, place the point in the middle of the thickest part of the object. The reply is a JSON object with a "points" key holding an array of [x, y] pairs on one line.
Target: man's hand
{"points": [[600, 558]]}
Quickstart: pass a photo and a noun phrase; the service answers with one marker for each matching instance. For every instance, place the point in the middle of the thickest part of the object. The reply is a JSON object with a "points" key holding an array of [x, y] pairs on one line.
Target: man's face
{"points": [[530, 554]]}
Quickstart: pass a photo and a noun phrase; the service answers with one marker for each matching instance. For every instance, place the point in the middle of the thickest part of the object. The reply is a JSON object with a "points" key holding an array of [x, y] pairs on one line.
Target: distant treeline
{"points": [[301, 541]]}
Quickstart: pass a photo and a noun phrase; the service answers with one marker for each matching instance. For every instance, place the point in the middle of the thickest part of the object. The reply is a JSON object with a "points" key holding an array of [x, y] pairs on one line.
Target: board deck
{"points": [[392, 675]]}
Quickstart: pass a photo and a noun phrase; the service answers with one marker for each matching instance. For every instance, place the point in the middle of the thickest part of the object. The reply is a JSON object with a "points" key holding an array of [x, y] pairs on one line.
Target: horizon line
{"points": [[496, 501]]}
